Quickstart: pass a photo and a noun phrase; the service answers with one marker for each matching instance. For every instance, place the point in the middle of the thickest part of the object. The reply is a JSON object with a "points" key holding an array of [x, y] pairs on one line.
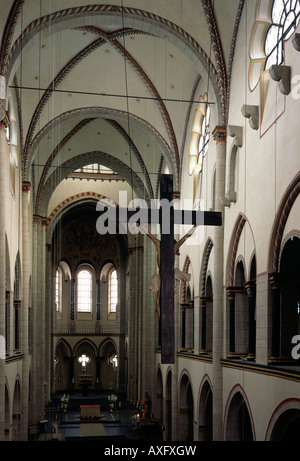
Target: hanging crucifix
{"points": [[167, 247], [166, 252]]}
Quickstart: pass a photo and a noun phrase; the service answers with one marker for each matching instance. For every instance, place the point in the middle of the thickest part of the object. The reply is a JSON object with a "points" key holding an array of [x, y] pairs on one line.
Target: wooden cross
{"points": [[167, 256]]}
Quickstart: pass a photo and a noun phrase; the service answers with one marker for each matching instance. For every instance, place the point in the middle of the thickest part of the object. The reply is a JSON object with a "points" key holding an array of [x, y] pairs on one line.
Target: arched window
{"points": [[200, 136], [113, 291], [84, 291], [285, 17], [12, 139], [58, 291]]}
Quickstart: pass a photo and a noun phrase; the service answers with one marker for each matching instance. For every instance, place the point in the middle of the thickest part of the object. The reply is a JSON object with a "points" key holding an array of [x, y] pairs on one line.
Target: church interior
{"points": [[149, 220]]}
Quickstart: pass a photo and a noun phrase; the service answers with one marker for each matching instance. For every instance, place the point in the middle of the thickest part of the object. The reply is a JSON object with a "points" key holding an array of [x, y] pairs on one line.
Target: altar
{"points": [[85, 381], [89, 411]]}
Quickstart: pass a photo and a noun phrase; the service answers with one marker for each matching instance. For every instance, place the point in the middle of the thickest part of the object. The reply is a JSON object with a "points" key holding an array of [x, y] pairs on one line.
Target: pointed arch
{"points": [[238, 418], [280, 221], [241, 221], [206, 253], [17, 278]]}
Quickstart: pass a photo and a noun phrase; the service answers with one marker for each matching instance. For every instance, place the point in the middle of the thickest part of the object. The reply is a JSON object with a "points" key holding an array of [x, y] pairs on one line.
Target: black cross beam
{"points": [[167, 257]]}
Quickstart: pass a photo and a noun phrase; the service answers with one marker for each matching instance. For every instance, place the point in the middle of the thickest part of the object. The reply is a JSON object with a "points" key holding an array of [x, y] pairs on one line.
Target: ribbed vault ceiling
{"points": [[113, 80]]}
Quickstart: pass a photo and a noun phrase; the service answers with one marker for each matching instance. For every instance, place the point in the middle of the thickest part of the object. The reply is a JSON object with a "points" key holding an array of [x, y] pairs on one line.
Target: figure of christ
{"points": [[178, 275]]}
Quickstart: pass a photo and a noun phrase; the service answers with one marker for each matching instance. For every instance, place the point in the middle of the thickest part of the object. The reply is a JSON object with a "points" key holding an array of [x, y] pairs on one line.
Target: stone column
{"points": [[72, 299], [40, 331], [34, 342], [122, 322], [275, 285], [231, 297], [197, 335], [24, 311], [203, 324], [49, 303], [44, 331], [204, 300], [98, 300], [150, 326], [219, 135], [250, 288], [3, 149], [133, 323]]}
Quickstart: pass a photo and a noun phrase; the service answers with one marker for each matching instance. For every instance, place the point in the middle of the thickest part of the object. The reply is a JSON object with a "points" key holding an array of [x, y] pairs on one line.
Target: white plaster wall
{"points": [[267, 163]]}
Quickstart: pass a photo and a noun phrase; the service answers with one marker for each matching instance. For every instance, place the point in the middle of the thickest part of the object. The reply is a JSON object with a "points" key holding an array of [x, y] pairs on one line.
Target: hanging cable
{"points": [[127, 99]]}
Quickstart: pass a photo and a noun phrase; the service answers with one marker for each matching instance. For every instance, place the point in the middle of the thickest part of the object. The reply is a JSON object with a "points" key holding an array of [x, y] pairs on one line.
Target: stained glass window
{"points": [[285, 17]]}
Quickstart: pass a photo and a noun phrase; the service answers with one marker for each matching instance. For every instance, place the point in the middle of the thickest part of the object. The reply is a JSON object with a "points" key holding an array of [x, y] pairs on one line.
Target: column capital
{"points": [[26, 186], [41, 219], [219, 134], [274, 279], [232, 290], [5, 121], [204, 300], [250, 288]]}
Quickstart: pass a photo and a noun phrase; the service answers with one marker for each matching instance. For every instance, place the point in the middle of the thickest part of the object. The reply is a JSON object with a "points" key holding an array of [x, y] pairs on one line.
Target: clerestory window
{"points": [[285, 17], [113, 291], [200, 135], [58, 291], [84, 291]]}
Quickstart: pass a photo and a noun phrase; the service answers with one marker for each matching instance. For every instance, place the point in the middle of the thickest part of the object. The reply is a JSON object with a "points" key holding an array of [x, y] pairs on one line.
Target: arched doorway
{"points": [[238, 424]]}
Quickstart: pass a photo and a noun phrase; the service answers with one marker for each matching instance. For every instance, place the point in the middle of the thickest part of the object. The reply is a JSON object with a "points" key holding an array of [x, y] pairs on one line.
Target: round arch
{"points": [[80, 161], [100, 112], [70, 203]]}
